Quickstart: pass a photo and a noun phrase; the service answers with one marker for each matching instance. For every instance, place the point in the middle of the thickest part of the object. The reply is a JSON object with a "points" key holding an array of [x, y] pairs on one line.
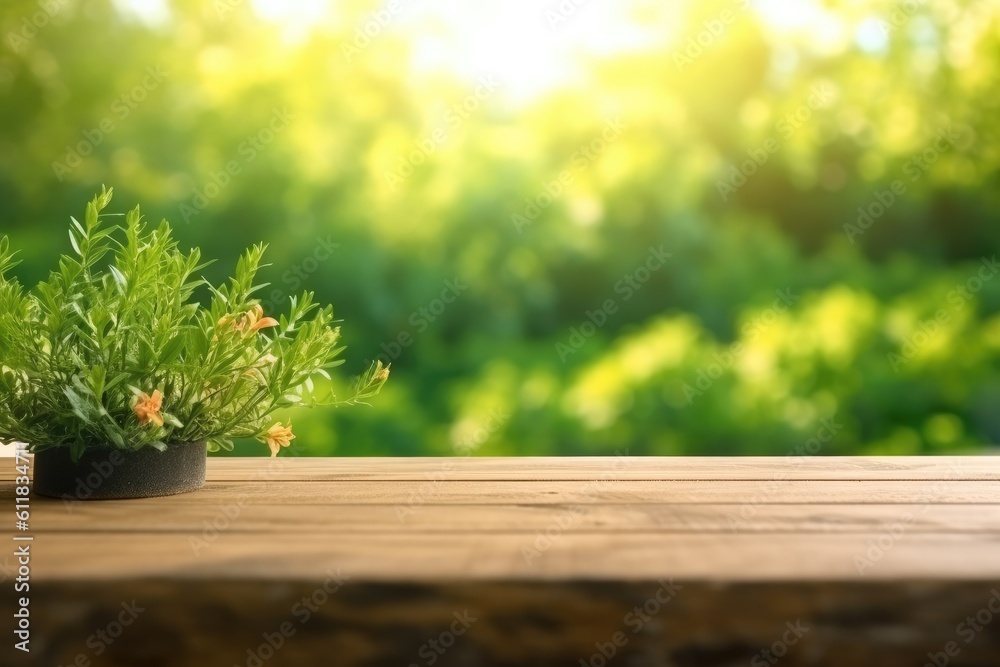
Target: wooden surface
{"points": [[886, 555], [616, 519], [579, 468]]}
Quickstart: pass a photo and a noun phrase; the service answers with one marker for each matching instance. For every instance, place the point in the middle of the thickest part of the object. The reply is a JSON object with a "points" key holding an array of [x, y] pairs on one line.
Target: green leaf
{"points": [[215, 444], [98, 375], [76, 449], [170, 419], [173, 348], [117, 380], [116, 437], [80, 408], [119, 277], [76, 246]]}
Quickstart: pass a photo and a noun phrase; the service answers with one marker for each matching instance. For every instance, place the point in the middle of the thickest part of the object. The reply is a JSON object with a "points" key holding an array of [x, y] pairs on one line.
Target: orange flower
{"points": [[279, 436], [147, 408], [254, 320], [248, 322]]}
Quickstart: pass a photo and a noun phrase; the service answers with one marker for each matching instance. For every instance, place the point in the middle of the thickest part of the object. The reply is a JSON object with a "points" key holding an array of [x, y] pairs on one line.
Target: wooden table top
{"points": [[553, 519]]}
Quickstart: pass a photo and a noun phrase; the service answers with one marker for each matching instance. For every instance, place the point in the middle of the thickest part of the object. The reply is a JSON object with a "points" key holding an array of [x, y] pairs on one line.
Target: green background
{"points": [[746, 143]]}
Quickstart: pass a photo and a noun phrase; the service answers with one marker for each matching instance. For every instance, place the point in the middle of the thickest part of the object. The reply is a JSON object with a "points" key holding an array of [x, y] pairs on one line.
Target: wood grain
{"points": [[423, 557], [616, 468], [314, 519], [445, 492], [883, 557], [596, 468]]}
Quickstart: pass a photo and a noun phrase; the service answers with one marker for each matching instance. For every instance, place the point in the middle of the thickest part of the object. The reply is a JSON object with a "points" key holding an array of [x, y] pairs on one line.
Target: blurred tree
{"points": [[823, 177]]}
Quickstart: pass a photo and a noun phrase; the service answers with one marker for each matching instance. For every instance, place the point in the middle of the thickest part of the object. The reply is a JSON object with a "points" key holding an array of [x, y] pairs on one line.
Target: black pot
{"points": [[107, 473]]}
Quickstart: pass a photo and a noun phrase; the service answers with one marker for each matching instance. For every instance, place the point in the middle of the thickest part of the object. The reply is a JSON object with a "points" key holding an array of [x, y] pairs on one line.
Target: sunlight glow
{"points": [[871, 36], [300, 13], [150, 12], [824, 30], [530, 47]]}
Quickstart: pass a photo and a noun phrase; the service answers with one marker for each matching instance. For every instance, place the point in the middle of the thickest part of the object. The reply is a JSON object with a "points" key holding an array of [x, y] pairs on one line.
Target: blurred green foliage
{"points": [[824, 178]]}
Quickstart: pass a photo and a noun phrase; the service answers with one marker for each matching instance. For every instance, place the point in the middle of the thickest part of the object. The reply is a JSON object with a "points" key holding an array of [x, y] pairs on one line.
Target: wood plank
{"points": [[421, 557], [594, 468], [617, 468], [420, 493], [881, 557], [140, 516]]}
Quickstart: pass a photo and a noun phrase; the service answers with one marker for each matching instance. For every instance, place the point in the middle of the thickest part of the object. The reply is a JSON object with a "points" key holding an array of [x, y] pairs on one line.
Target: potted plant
{"points": [[119, 379]]}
